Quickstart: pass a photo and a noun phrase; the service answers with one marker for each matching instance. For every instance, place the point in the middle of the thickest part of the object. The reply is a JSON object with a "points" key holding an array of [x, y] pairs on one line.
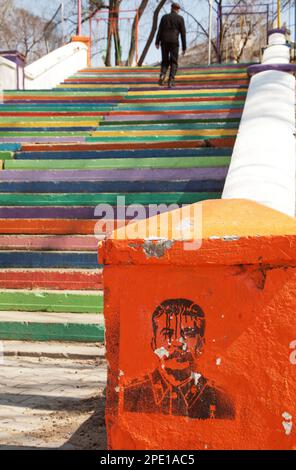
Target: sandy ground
{"points": [[52, 403]]}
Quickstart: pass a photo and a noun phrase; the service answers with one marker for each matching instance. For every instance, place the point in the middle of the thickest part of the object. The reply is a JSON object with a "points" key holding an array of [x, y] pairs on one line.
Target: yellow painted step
{"points": [[221, 132], [187, 92], [50, 124]]}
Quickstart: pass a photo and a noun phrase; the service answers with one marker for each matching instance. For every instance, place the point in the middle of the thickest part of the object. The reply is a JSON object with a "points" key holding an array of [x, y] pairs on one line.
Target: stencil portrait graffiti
{"points": [[175, 387]]}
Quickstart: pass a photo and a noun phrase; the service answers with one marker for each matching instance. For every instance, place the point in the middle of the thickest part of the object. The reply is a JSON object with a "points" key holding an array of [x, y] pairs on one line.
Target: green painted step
{"points": [[6, 155], [45, 301], [91, 199], [117, 163], [20, 331], [200, 119]]}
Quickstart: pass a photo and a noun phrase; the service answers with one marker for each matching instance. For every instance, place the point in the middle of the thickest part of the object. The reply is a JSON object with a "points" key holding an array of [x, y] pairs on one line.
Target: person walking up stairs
{"points": [[171, 26]]}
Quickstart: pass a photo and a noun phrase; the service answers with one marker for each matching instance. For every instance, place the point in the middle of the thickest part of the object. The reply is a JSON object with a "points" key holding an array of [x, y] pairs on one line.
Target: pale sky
{"points": [[198, 8]]}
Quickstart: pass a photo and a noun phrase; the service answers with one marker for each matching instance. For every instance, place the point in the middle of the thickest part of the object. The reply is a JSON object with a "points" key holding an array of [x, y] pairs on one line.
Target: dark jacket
{"points": [[153, 394], [170, 27]]}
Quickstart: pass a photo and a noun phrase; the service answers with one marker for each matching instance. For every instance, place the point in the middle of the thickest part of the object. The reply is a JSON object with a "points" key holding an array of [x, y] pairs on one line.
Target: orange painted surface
{"points": [[57, 226], [50, 279], [47, 226], [202, 354], [228, 142], [86, 41]]}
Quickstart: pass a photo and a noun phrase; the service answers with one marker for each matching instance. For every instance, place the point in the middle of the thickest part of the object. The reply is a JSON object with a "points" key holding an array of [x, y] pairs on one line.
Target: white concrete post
{"points": [[263, 166]]}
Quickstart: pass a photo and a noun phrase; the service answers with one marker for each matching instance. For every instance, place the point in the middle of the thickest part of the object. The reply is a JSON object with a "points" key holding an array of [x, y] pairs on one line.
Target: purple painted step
{"points": [[163, 117], [37, 140], [42, 212], [217, 173]]}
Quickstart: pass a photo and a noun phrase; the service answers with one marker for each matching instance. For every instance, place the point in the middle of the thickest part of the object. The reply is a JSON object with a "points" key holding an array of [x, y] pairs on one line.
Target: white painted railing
{"points": [[56, 66], [262, 167], [46, 72]]}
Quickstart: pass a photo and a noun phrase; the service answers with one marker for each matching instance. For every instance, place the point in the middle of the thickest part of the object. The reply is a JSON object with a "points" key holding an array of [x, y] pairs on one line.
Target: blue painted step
{"points": [[26, 259], [153, 153], [10, 147]]}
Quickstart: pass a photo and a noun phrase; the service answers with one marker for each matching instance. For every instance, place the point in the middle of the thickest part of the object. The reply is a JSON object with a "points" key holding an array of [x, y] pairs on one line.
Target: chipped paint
{"points": [[218, 361], [196, 377], [230, 238], [293, 353], [287, 423], [225, 238], [161, 352], [158, 249]]}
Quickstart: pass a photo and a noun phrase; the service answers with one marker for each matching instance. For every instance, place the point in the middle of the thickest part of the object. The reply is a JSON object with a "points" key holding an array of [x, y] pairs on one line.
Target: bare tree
{"points": [[23, 31], [229, 42], [152, 32], [136, 21], [113, 33]]}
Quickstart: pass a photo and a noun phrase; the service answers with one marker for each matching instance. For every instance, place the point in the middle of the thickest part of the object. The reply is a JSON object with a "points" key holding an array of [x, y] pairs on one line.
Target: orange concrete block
{"points": [[201, 337], [86, 41]]}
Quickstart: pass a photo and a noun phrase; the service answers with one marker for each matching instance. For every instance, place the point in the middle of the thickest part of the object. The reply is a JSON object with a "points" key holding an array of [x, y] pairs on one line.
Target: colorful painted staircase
{"points": [[101, 134]]}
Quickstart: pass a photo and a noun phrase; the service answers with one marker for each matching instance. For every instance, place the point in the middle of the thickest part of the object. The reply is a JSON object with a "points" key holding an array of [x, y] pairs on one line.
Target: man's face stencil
{"points": [[178, 327]]}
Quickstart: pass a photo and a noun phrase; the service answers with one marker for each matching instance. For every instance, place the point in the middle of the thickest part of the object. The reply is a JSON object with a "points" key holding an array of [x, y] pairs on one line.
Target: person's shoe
{"points": [[171, 83], [161, 79]]}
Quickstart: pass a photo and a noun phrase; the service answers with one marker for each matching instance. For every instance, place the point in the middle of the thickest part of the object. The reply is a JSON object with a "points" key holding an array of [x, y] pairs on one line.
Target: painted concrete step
{"points": [[72, 199], [222, 116], [159, 126], [54, 349], [41, 139], [80, 243], [61, 218], [226, 142], [9, 147], [48, 259], [44, 131], [51, 327], [51, 301], [51, 279], [83, 187], [192, 174], [6, 155], [142, 153], [117, 164], [203, 92], [47, 119], [30, 226], [40, 134]]}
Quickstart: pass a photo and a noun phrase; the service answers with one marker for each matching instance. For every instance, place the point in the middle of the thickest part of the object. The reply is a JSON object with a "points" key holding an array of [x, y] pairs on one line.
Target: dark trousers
{"points": [[170, 57]]}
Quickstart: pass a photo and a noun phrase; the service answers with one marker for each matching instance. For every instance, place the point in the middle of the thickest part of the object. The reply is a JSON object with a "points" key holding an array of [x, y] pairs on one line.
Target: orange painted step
{"points": [[56, 226], [217, 143], [47, 226], [51, 279]]}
